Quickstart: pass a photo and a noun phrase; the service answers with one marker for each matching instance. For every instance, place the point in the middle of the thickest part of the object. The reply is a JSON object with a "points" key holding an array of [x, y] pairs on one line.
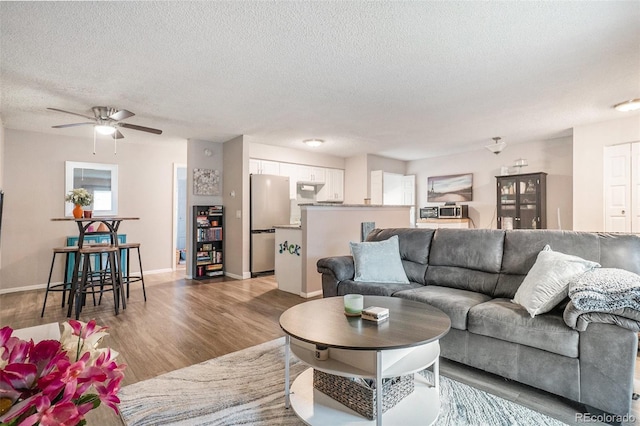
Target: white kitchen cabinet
{"points": [[263, 167], [333, 189], [311, 174], [291, 171]]}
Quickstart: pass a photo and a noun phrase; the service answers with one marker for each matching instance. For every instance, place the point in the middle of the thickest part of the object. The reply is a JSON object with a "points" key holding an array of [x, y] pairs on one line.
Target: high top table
{"points": [[406, 343], [112, 223]]}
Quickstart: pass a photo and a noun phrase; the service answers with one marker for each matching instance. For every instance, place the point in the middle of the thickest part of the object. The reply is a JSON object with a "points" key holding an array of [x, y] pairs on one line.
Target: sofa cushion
{"points": [[547, 282], [467, 259], [620, 251], [501, 319], [378, 261], [415, 245], [373, 289], [521, 248], [452, 301]]}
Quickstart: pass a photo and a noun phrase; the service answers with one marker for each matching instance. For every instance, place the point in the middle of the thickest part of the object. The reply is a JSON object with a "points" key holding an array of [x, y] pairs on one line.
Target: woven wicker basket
{"points": [[360, 397]]}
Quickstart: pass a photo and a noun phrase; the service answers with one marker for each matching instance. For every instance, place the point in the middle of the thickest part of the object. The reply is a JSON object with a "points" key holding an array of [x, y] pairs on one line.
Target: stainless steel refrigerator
{"points": [[270, 206]]}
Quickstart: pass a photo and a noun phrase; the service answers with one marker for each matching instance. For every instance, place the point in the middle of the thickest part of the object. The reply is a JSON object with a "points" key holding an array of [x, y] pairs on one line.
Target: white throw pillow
{"points": [[378, 261], [547, 282]]}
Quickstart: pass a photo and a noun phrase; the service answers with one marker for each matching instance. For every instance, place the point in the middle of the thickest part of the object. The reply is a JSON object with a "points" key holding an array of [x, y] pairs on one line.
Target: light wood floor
{"points": [[185, 322]]}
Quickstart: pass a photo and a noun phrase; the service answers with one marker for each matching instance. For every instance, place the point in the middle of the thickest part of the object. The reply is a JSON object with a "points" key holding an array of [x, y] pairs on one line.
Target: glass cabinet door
{"points": [[507, 193], [521, 201], [528, 203]]}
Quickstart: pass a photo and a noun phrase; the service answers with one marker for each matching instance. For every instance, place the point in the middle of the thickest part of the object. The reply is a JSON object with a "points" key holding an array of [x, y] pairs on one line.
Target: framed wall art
{"points": [[451, 188], [206, 182]]}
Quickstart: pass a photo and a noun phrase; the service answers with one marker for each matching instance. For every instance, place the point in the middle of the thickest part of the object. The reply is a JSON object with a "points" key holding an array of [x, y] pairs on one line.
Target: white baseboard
{"points": [[158, 271], [43, 286], [244, 276], [312, 294], [25, 288]]}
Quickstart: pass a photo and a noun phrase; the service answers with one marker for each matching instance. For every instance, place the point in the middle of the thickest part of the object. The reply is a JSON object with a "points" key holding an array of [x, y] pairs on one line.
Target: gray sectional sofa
{"points": [[473, 274]]}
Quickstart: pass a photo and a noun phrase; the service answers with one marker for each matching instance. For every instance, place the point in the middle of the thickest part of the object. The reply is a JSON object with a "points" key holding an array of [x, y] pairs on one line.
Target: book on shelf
{"points": [[209, 234], [202, 221]]}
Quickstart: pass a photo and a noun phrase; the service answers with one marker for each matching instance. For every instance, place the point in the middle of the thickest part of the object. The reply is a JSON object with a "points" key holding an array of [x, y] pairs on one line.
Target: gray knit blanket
{"points": [[606, 295]]}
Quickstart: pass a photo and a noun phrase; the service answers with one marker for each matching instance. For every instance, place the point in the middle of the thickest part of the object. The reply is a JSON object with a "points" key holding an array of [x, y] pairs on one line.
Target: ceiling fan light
{"points": [[105, 129], [628, 106], [313, 142]]}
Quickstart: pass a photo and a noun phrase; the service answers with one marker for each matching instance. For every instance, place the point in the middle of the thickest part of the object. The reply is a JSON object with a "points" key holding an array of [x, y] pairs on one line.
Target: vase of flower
{"points": [[77, 211], [81, 198]]}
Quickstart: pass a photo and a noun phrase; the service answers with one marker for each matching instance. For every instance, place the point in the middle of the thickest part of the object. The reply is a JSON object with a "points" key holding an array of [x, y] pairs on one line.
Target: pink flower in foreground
{"points": [[57, 382], [62, 413]]}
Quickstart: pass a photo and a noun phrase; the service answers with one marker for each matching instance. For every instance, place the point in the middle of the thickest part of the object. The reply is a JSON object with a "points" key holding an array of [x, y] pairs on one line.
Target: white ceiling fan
{"points": [[106, 121]]}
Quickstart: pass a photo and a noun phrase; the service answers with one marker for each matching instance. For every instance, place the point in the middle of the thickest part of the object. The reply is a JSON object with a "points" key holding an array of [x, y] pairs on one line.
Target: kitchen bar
{"points": [[326, 230]]}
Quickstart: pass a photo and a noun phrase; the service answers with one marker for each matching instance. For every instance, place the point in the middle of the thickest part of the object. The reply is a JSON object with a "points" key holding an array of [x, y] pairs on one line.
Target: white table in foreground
{"points": [[405, 344]]}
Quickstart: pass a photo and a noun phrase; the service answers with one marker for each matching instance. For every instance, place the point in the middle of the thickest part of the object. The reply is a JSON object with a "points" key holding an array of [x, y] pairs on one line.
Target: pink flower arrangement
{"points": [[57, 382]]}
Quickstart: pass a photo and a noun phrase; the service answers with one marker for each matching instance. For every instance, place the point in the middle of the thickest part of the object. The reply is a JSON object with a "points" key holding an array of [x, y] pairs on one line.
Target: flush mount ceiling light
{"points": [[496, 147], [313, 142], [105, 129], [627, 106]]}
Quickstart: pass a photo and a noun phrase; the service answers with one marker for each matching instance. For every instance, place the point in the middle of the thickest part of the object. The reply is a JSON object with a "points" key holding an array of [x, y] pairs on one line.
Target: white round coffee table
{"points": [[404, 344]]}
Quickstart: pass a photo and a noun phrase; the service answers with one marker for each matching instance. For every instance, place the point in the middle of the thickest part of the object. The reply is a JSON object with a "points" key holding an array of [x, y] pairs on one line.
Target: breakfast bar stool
{"points": [[129, 278], [66, 284], [107, 277]]}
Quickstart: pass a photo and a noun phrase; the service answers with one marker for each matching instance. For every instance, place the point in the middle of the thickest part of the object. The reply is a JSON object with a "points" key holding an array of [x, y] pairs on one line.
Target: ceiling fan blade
{"points": [[121, 115], [141, 128], [118, 135], [73, 113], [62, 126]]}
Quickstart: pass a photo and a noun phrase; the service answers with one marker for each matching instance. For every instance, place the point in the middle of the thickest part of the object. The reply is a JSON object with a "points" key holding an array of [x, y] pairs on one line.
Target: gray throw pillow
{"points": [[547, 282], [378, 261]]}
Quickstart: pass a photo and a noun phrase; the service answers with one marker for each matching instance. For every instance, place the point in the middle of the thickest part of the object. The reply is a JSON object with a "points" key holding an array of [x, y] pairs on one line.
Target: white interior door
{"points": [[617, 188], [635, 187]]}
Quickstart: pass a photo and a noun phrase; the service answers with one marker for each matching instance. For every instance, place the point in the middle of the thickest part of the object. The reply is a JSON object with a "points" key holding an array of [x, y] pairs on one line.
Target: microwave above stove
{"points": [[453, 212]]}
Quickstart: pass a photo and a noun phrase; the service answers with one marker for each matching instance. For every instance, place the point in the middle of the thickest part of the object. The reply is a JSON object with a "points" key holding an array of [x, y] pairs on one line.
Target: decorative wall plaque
{"points": [[206, 182]]}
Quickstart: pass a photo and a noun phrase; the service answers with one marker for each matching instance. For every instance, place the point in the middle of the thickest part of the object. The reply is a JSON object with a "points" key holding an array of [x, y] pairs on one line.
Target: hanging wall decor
{"points": [[206, 182], [450, 188]]}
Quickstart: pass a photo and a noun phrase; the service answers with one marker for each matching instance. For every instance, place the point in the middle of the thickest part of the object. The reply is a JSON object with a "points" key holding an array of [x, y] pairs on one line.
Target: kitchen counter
{"points": [[328, 228], [288, 258]]}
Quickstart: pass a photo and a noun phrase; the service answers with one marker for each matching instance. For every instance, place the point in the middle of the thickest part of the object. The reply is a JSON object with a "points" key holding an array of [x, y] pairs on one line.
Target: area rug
{"points": [[247, 388]]}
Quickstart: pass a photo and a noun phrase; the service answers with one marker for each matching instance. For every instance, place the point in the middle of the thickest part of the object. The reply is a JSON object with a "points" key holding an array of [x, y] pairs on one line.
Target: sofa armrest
{"points": [[607, 365], [334, 270]]}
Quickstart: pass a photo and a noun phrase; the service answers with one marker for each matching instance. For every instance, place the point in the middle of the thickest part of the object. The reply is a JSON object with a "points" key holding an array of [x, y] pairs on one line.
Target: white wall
{"points": [[552, 156], [588, 151], [356, 180], [34, 193], [197, 159], [1, 174], [236, 202]]}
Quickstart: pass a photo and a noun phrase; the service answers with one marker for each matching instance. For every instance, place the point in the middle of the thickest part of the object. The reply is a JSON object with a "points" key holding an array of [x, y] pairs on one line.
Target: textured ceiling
{"points": [[405, 80]]}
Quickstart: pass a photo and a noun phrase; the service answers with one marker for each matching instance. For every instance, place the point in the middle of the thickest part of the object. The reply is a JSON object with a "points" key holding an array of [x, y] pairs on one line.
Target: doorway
{"points": [[180, 216]]}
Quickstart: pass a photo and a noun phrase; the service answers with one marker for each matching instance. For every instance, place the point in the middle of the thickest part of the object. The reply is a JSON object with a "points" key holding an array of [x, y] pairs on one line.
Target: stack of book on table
{"points": [[375, 314]]}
